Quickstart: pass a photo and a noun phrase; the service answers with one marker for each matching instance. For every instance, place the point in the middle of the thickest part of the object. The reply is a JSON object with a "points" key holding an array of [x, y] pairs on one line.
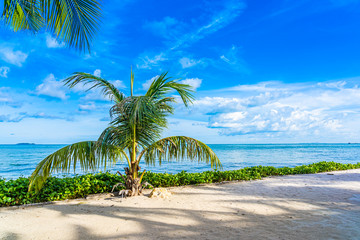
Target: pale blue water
{"points": [[21, 160]]}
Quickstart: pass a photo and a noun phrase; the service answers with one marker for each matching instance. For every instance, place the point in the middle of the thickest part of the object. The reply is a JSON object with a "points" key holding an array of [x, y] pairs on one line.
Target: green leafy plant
{"points": [[73, 21], [14, 192], [133, 134]]}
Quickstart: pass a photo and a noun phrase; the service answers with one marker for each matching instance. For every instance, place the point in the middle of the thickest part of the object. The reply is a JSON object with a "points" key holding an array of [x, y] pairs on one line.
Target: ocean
{"points": [[21, 160]]}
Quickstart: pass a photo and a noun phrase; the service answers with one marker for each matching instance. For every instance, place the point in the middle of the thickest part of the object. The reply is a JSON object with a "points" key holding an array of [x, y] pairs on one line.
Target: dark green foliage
{"points": [[15, 192]]}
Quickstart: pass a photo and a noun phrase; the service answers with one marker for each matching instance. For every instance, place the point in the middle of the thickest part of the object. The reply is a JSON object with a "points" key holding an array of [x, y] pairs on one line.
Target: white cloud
{"points": [[149, 62], [97, 73], [337, 84], [53, 43], [233, 59], [4, 71], [13, 57], [187, 62], [274, 118], [297, 111], [118, 83], [178, 34], [25, 115], [4, 96], [272, 86], [230, 57], [87, 107], [148, 82], [52, 88], [194, 82], [7, 96], [221, 18], [222, 57]]}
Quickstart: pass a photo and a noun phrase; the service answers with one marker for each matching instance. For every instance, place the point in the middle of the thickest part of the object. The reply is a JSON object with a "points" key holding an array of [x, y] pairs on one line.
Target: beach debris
{"points": [[160, 193], [124, 193]]}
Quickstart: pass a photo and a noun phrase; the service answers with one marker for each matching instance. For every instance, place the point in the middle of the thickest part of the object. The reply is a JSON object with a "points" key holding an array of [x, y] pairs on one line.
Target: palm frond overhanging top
{"points": [[74, 22]]}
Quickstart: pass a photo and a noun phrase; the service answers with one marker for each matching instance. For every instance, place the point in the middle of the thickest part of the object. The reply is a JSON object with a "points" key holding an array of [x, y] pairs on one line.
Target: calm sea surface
{"points": [[21, 160]]}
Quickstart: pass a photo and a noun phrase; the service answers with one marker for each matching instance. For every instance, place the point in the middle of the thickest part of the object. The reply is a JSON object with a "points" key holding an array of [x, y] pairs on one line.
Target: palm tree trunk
{"points": [[133, 160], [132, 180], [133, 185]]}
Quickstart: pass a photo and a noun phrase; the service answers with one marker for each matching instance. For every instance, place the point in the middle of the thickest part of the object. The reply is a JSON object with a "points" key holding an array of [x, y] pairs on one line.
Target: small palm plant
{"points": [[133, 134]]}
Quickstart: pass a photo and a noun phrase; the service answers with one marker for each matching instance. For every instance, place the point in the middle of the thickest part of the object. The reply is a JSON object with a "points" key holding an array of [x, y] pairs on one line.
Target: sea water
{"points": [[21, 160]]}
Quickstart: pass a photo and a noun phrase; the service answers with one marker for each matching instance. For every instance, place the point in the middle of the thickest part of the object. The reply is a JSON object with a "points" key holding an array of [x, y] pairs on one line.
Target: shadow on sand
{"points": [[295, 212]]}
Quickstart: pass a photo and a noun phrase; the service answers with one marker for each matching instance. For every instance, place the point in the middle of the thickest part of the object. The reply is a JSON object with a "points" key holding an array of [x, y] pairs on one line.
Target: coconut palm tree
{"points": [[134, 134], [73, 21]]}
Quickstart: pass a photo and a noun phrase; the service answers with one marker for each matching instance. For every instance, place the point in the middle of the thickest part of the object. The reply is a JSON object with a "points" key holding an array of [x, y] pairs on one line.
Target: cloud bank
{"points": [[273, 108]]}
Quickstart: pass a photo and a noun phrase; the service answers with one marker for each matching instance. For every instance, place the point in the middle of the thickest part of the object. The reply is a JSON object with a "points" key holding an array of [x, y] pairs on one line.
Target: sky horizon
{"points": [[276, 72]]}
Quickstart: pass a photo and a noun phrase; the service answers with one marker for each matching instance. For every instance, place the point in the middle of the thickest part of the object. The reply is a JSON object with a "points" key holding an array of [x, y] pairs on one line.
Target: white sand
{"points": [[316, 206]]}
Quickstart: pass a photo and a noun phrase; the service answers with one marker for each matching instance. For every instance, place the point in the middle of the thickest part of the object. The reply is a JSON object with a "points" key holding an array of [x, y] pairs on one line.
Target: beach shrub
{"points": [[15, 192]]}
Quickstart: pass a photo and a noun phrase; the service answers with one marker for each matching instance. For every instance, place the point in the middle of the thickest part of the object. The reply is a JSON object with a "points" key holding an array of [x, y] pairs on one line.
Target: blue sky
{"points": [[265, 71]]}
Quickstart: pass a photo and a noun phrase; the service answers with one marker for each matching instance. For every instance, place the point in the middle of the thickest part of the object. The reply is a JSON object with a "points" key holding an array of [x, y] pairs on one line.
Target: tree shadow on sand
{"points": [[249, 210]]}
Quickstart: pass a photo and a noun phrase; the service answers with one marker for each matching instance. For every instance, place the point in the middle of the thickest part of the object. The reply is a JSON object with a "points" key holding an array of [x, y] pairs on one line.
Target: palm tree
{"points": [[73, 21], [133, 134]]}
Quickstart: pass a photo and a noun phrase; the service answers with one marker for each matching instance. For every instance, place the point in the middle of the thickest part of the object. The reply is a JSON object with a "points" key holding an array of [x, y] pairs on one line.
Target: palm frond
{"points": [[164, 104], [138, 110], [107, 88], [180, 148], [23, 14], [138, 113], [132, 82], [73, 21], [117, 136], [89, 155], [163, 85]]}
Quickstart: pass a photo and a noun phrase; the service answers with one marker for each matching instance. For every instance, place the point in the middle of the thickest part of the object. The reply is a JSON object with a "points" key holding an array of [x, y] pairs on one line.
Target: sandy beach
{"points": [[316, 206]]}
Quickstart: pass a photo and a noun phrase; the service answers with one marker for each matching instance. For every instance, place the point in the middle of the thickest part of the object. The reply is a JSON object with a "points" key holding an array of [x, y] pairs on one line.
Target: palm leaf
{"points": [[135, 115], [107, 88], [138, 110], [117, 136], [22, 14], [180, 148], [163, 85], [73, 21], [89, 155]]}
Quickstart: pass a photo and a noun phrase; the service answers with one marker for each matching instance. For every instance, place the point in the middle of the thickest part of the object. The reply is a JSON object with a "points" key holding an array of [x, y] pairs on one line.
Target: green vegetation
{"points": [[133, 134], [72, 21], [14, 192]]}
